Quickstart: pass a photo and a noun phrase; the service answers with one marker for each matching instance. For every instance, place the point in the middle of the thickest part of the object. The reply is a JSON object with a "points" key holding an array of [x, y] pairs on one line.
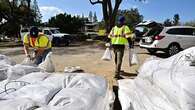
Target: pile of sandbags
{"points": [[46, 91], [5, 63], [30, 87], [162, 84]]}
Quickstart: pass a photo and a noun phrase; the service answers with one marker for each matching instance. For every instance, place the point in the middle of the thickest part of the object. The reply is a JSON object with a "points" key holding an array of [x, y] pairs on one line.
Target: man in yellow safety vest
{"points": [[120, 35], [40, 43]]}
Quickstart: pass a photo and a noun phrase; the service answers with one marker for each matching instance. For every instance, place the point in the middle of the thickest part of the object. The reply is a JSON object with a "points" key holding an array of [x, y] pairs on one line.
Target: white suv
{"points": [[169, 39]]}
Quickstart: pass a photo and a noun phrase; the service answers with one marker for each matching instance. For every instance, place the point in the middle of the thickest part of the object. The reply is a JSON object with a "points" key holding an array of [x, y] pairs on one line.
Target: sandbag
{"points": [[55, 79], [5, 63], [161, 84], [9, 86], [41, 93], [73, 96], [47, 65], [3, 71], [27, 61], [35, 77], [53, 91], [107, 55], [18, 104], [19, 70], [6, 60], [133, 58]]}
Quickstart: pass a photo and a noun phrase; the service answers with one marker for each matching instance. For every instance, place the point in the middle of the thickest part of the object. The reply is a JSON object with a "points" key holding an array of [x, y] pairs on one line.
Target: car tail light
{"points": [[158, 37]]}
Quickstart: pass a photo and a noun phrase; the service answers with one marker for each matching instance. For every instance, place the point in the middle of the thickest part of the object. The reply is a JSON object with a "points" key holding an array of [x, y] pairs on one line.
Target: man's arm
{"points": [[26, 45], [26, 50], [130, 36]]}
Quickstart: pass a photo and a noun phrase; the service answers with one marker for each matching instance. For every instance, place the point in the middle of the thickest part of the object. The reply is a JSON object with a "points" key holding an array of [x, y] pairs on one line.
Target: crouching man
{"points": [[39, 42]]}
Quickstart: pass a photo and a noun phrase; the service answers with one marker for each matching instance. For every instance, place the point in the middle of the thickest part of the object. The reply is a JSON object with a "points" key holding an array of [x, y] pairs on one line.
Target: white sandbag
{"points": [[130, 56], [5, 63], [140, 95], [18, 104], [55, 79], [35, 77], [47, 65], [84, 80], [9, 86], [41, 93], [74, 97], [134, 58], [6, 60], [188, 93], [107, 55], [19, 70], [3, 71], [27, 61], [161, 84]]}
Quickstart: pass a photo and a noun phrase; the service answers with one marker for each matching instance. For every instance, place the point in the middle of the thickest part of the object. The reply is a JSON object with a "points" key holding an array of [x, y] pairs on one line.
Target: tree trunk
{"points": [[109, 13]]}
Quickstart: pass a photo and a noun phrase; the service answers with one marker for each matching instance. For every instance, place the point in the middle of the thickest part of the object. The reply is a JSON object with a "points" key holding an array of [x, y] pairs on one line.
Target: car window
{"points": [[47, 32], [180, 31], [55, 31], [24, 30], [153, 32], [188, 31], [175, 31]]}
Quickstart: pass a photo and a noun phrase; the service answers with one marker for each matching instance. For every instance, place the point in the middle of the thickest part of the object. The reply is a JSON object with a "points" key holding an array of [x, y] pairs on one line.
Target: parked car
{"points": [[143, 27], [169, 39], [57, 37], [54, 35]]}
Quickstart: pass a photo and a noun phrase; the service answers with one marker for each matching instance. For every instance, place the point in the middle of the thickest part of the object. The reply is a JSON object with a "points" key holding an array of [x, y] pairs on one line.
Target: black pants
{"points": [[119, 53]]}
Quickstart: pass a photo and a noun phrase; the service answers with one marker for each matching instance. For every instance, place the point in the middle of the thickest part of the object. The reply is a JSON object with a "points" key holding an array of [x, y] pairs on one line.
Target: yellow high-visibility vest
{"points": [[42, 41], [119, 35]]}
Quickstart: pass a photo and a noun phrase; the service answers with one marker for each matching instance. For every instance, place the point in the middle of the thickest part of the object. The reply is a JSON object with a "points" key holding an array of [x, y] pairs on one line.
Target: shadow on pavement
{"points": [[129, 74], [117, 105], [162, 55]]}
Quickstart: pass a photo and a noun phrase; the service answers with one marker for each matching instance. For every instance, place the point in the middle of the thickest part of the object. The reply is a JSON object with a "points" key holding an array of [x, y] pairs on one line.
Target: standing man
{"points": [[39, 42], [120, 35]]}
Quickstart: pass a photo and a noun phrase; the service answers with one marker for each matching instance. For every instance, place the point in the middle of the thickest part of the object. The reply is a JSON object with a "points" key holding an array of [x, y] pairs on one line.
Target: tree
{"points": [[95, 17], [109, 11], [66, 23], [167, 22], [90, 16], [190, 23], [133, 17], [176, 19], [18, 12]]}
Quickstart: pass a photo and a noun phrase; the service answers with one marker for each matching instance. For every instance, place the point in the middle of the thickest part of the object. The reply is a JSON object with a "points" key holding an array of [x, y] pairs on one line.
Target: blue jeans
{"points": [[42, 57]]}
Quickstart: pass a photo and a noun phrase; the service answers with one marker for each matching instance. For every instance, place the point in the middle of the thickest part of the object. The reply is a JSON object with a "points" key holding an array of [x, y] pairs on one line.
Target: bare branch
{"points": [[95, 2], [110, 7]]}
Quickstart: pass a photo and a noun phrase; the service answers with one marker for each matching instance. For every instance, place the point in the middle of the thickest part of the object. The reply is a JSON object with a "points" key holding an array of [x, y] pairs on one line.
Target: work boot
{"points": [[117, 77]]}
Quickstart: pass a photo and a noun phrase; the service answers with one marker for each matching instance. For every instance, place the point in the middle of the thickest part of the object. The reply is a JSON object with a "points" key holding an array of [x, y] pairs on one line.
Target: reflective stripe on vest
{"points": [[32, 43]]}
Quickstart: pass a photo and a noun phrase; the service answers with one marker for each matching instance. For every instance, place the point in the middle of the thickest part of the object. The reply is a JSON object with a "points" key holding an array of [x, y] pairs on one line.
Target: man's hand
{"points": [[30, 57], [107, 44]]}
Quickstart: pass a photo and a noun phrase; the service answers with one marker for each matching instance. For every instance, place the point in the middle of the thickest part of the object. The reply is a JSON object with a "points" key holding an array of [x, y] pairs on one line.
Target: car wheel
{"points": [[173, 49], [66, 43], [152, 51], [56, 42]]}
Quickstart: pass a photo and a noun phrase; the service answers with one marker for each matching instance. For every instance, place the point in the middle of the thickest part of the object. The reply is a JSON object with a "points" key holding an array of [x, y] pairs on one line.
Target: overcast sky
{"points": [[157, 10]]}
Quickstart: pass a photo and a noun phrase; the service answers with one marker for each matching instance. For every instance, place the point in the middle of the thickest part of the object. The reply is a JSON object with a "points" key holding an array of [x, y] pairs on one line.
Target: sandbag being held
{"points": [[107, 55], [47, 65]]}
